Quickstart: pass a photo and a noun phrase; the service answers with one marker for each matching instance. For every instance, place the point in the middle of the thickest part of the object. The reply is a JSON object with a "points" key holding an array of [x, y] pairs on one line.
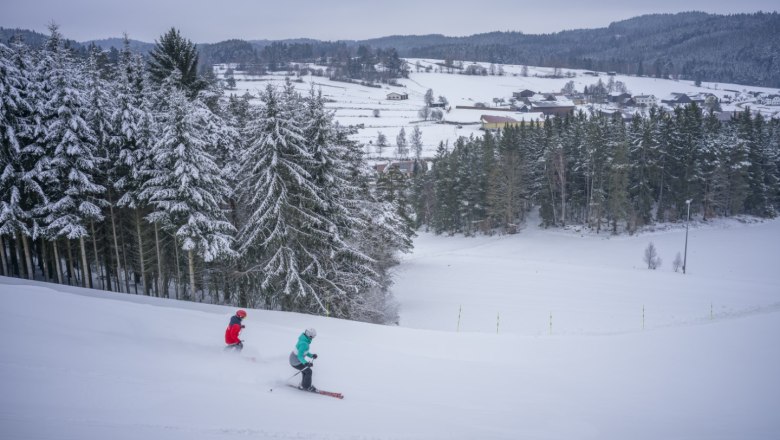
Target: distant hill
{"points": [[740, 48]]}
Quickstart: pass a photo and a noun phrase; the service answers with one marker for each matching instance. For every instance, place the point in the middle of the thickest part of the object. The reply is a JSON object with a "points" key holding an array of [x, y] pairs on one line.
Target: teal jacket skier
{"points": [[298, 358]]}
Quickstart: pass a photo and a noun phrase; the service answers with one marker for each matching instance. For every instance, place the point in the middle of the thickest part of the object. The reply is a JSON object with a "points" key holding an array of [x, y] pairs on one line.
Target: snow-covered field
{"points": [[79, 364], [355, 104]]}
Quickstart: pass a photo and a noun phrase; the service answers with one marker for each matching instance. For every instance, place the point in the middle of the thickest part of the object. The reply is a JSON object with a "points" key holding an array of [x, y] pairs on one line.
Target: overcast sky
{"points": [[206, 21]]}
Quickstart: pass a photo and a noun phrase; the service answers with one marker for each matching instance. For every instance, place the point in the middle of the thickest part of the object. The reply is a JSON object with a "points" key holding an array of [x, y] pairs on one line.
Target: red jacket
{"points": [[234, 328]]}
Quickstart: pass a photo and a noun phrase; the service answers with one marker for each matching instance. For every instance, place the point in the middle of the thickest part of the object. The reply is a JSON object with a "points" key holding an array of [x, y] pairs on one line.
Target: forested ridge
{"points": [[738, 48]]}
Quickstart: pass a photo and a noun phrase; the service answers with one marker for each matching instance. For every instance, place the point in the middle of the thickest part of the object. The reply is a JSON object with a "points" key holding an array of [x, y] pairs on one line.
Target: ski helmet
{"points": [[241, 314], [310, 332]]}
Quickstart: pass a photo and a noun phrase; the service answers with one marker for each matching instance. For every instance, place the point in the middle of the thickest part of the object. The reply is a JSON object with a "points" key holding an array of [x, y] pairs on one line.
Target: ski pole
{"points": [[299, 372]]}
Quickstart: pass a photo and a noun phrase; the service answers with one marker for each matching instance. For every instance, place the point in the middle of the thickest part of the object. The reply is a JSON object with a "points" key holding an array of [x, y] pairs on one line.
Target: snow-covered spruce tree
{"points": [[69, 142], [354, 283], [172, 52], [99, 113], [130, 150], [184, 183], [21, 193], [283, 207]]}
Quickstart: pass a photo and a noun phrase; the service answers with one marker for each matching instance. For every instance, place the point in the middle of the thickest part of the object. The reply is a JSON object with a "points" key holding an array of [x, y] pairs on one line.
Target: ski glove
{"points": [[242, 326], [309, 364], [314, 356]]}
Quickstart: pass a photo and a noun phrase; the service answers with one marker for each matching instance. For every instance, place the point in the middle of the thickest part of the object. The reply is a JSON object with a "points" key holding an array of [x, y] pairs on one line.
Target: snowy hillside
{"points": [[84, 364], [355, 104]]}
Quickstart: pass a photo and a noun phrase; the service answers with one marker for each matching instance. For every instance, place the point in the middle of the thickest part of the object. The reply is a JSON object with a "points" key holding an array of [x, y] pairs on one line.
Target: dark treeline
{"points": [[741, 48], [139, 176], [738, 48], [341, 60], [603, 173]]}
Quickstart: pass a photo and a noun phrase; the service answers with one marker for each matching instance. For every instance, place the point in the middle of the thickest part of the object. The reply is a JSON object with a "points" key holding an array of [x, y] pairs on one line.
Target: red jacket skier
{"points": [[233, 329]]}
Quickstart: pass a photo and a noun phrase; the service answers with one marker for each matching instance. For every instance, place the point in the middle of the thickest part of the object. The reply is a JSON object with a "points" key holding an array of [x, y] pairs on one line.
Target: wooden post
{"points": [[643, 316], [498, 319], [460, 309]]}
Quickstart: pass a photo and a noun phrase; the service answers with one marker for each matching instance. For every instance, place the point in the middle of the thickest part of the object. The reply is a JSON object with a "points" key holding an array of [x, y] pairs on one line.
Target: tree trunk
{"points": [[3, 257], [98, 269], [45, 258], [140, 250], [159, 258], [86, 277], [28, 257], [191, 256], [116, 249], [71, 269], [18, 255], [178, 271], [57, 266]]}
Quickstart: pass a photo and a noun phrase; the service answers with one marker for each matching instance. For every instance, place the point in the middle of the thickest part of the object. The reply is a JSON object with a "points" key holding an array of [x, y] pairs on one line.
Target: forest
{"points": [[599, 172], [141, 176]]}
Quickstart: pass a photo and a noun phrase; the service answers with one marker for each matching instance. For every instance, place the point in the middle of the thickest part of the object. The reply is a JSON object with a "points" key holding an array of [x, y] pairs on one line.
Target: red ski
{"points": [[324, 393]]}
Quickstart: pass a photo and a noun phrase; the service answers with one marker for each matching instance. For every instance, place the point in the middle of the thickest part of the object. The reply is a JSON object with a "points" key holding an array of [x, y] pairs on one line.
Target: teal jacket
{"points": [[302, 348]]}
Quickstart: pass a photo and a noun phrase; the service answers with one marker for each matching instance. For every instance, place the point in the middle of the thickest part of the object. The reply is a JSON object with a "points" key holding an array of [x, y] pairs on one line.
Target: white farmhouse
{"points": [[645, 100], [395, 96]]}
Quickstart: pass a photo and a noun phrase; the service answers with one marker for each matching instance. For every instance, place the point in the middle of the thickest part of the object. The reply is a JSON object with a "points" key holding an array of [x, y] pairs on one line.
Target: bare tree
{"points": [[677, 263], [402, 147], [381, 142], [437, 114], [376, 112], [651, 257], [424, 113], [429, 97]]}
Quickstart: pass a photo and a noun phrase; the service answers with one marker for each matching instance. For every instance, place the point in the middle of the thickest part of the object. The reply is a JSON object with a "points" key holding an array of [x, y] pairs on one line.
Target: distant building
{"points": [[772, 100], [395, 96], [553, 108], [497, 122], [405, 167], [619, 97], [523, 94], [436, 104], [676, 99], [645, 100]]}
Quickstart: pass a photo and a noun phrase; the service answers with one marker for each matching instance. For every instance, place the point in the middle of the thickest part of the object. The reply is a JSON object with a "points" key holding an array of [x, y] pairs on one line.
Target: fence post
{"points": [[711, 315], [643, 316], [460, 309], [498, 319]]}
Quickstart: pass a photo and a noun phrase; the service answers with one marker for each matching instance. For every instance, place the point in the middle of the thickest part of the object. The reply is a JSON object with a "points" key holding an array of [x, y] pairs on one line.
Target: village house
{"points": [[523, 94], [497, 122], [395, 96], [405, 167], [772, 100], [676, 99], [490, 122], [553, 108], [645, 100]]}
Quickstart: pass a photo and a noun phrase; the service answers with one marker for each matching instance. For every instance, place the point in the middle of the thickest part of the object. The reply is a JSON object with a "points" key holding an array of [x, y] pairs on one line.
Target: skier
{"points": [[233, 329], [298, 358]]}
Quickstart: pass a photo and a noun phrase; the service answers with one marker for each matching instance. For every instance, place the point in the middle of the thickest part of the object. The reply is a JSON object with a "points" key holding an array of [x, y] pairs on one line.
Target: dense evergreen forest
{"points": [[140, 176], [600, 172]]}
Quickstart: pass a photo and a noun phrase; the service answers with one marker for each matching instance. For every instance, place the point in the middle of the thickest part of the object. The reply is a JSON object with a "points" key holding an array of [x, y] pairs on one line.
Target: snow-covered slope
{"points": [[77, 364]]}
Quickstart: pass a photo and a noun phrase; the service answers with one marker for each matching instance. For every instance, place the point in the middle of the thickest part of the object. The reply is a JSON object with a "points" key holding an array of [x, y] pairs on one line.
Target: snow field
{"points": [[85, 364], [354, 104]]}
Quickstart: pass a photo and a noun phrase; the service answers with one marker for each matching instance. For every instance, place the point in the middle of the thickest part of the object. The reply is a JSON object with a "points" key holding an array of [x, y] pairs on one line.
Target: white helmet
{"points": [[310, 332]]}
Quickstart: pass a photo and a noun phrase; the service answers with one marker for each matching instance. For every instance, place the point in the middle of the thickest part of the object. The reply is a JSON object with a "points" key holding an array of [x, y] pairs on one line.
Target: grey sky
{"points": [[213, 20]]}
